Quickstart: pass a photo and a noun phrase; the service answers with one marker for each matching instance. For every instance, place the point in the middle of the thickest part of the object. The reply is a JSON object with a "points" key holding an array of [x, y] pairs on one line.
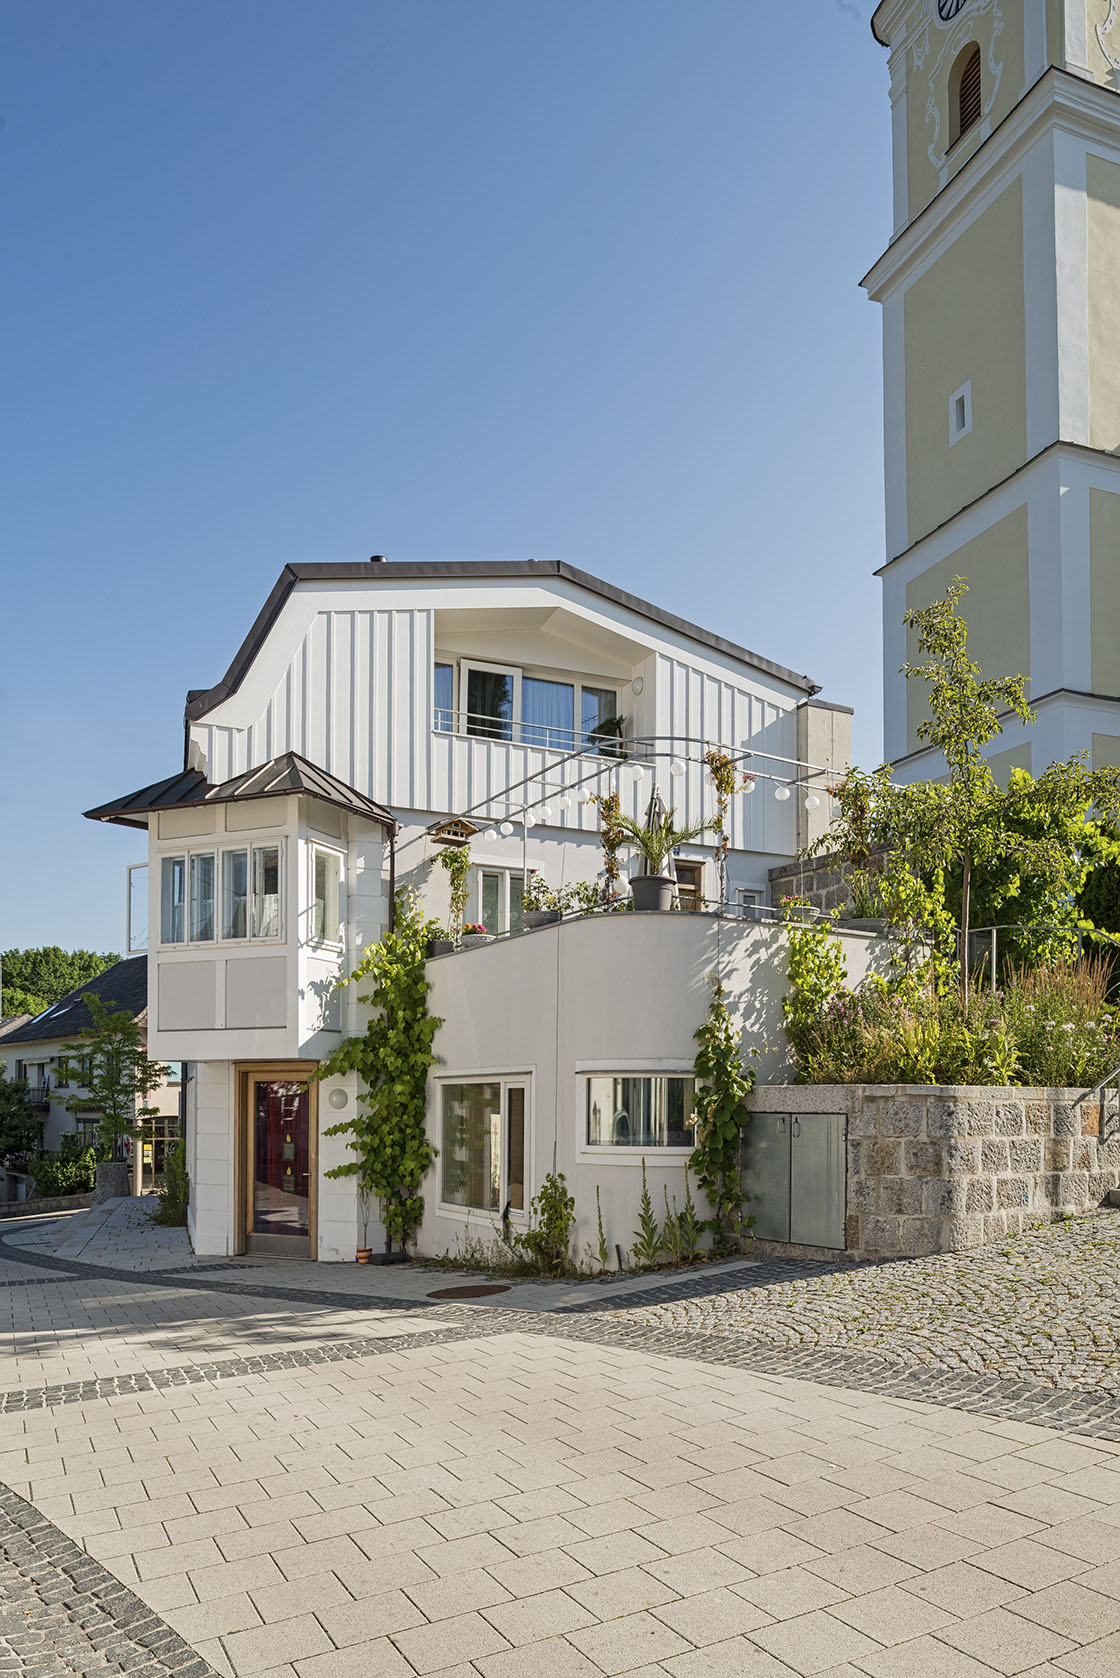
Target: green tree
{"points": [[1021, 854], [34, 979], [116, 1074], [388, 1132], [19, 1128]]}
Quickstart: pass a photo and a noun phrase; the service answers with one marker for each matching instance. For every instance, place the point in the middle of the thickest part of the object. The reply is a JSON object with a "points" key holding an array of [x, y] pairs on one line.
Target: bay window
{"points": [[483, 1155], [227, 894], [639, 1112]]}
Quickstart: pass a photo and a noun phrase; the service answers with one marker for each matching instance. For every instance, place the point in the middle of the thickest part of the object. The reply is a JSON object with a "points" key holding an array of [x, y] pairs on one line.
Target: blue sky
{"points": [[439, 279]]}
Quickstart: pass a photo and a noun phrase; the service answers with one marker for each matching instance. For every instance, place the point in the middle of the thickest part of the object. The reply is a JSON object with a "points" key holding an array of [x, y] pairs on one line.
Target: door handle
{"points": [[797, 1127]]}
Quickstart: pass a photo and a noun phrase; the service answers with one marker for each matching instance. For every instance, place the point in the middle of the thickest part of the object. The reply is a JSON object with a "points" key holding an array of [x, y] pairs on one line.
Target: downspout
{"points": [[392, 831]]}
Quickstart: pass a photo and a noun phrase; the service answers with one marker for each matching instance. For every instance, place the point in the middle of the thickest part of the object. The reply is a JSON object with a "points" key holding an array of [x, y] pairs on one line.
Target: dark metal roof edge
{"points": [[202, 700], [123, 812]]}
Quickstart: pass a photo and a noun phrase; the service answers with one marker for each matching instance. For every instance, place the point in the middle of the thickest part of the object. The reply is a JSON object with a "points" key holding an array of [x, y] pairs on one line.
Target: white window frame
{"points": [[337, 942], [508, 873], [507, 1078], [612, 1153], [217, 851], [962, 428], [466, 665], [462, 665]]}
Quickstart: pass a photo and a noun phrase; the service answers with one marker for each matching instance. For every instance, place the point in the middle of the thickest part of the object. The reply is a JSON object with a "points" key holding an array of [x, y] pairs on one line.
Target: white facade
{"points": [[606, 997], [374, 675]]}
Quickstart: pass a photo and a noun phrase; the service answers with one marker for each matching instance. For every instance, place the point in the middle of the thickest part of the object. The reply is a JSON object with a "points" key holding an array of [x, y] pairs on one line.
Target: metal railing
{"points": [[1100, 1092], [39, 1094], [548, 737]]}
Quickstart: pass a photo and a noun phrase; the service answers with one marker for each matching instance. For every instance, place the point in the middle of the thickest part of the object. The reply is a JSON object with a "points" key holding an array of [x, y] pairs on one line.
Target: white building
{"points": [[1001, 349], [31, 1051], [370, 705]]}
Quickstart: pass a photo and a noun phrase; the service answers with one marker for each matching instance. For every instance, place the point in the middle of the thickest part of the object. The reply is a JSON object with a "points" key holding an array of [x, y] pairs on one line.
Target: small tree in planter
{"points": [[388, 1132], [611, 838], [656, 843], [117, 1077], [455, 860]]}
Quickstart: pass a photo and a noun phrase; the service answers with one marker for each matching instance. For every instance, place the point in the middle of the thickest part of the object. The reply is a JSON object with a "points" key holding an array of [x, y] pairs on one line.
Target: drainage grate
{"points": [[474, 1291]]}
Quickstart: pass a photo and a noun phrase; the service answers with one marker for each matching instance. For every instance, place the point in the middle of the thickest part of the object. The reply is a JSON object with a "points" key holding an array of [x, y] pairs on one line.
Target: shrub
{"points": [[72, 1171], [175, 1194], [547, 1243]]}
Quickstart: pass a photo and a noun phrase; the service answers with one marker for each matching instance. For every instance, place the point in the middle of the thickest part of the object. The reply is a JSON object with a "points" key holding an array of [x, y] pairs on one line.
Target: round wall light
{"points": [[637, 684], [338, 1099]]}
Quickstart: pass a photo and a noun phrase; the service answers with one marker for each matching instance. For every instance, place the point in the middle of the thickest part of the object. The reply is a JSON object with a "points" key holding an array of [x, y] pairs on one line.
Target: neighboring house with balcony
{"points": [[375, 713], [32, 1054]]}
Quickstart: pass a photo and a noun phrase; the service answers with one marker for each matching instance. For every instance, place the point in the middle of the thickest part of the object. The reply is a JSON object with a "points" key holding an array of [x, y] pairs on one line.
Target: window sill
{"points": [[615, 1154], [223, 945]]}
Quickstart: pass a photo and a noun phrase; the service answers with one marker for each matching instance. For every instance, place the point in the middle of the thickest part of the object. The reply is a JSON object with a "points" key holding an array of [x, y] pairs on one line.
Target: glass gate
{"points": [[280, 1167]]}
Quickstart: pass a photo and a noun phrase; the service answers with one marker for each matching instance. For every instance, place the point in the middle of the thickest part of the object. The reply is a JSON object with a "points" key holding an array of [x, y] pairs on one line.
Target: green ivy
{"points": [[456, 862], [388, 1132], [722, 1086]]}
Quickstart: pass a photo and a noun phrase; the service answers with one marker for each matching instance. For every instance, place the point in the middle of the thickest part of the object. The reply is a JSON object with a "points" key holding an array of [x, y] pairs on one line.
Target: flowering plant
{"points": [[472, 926]]}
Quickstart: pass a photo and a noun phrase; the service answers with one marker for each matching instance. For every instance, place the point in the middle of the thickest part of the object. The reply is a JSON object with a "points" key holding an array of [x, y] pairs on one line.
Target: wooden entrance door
{"points": [[280, 1165]]}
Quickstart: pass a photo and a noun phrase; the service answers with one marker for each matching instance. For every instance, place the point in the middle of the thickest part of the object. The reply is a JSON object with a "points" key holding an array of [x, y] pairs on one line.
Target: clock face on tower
{"points": [[948, 9]]}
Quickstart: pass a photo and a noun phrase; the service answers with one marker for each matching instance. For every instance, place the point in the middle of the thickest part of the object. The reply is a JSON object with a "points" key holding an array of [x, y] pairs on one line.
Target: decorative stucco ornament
{"points": [[958, 31], [1104, 30]]}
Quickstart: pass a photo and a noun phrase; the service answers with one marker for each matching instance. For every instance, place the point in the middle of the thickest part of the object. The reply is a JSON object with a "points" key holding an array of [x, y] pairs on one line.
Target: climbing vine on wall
{"points": [[722, 1086], [388, 1131], [456, 862], [612, 838], [726, 779]]}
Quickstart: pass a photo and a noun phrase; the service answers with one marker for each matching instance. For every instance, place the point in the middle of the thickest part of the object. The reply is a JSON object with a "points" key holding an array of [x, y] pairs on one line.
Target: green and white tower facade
{"points": [[1000, 292]]}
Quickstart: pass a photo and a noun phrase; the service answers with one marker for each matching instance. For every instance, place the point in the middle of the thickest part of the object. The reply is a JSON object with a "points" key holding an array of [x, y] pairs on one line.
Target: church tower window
{"points": [[965, 93]]}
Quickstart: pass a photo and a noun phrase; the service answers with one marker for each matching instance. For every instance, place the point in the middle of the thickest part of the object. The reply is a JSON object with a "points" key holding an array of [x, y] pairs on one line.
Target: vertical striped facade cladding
{"points": [[355, 695]]}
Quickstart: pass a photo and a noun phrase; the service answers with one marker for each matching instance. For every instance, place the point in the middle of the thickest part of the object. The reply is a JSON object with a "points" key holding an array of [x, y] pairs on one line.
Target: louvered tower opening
{"points": [[966, 92]]}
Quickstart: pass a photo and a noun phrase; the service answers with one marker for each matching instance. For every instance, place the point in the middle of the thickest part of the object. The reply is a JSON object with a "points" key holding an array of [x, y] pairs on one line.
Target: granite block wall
{"points": [[932, 1169]]}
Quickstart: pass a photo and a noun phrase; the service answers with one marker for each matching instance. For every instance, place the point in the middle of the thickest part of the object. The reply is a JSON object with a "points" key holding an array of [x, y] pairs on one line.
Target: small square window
{"points": [[960, 413]]}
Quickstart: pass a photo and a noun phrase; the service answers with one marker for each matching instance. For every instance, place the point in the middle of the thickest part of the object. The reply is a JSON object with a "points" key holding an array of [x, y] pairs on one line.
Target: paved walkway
{"points": [[1044, 1307], [481, 1492]]}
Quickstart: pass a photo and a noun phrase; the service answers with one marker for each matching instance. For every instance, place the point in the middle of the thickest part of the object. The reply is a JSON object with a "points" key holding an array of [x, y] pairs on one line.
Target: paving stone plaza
{"points": [[764, 1469]]}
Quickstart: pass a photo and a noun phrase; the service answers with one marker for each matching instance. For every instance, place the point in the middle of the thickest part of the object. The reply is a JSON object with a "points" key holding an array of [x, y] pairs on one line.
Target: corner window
{"points": [[326, 896], [230, 894], [484, 1146], [637, 1112]]}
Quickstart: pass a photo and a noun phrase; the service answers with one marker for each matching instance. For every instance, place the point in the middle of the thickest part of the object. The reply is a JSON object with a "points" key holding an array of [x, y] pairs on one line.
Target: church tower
{"points": [[1001, 347]]}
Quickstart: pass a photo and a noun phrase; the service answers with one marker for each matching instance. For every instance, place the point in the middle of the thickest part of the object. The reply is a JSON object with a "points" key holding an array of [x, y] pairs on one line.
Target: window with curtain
{"points": [[326, 900], [500, 900], [202, 871], [266, 891], [637, 1112], [173, 885], [548, 713], [235, 894], [445, 698]]}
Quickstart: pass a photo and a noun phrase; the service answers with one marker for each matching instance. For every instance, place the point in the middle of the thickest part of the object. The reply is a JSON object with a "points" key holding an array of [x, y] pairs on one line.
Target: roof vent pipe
{"points": [[377, 559]]}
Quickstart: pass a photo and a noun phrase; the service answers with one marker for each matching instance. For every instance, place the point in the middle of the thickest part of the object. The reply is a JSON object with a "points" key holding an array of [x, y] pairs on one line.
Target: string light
{"points": [[781, 793], [490, 835], [812, 802], [677, 768], [506, 829]]}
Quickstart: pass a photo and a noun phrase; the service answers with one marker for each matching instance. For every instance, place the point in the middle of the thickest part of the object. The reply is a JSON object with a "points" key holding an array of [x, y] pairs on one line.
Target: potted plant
{"points": [[656, 844], [366, 1191], [542, 906], [473, 933], [797, 909]]}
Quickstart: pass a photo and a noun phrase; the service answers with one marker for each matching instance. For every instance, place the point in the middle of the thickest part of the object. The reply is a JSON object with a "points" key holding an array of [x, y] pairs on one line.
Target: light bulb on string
{"points": [[781, 793], [528, 819], [678, 768], [506, 829], [544, 814], [490, 835], [812, 802], [565, 801]]}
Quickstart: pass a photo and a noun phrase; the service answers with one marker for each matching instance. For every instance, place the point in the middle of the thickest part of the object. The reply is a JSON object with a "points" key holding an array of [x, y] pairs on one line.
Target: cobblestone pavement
{"points": [[508, 1494], [1042, 1307]]}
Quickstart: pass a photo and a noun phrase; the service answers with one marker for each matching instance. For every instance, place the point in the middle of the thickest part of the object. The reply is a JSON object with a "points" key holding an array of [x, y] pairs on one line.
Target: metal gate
{"points": [[794, 1177]]}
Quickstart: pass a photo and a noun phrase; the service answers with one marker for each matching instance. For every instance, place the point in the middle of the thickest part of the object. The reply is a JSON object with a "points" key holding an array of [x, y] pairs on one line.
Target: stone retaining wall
{"points": [[935, 1169], [48, 1203]]}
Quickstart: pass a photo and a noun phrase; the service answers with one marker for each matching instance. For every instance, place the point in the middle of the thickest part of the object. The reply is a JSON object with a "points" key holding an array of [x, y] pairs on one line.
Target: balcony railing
{"points": [[549, 737], [39, 1093]]}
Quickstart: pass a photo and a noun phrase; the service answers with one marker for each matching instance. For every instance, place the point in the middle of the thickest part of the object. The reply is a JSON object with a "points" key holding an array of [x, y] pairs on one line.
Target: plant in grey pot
{"points": [[542, 905], [655, 842]]}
